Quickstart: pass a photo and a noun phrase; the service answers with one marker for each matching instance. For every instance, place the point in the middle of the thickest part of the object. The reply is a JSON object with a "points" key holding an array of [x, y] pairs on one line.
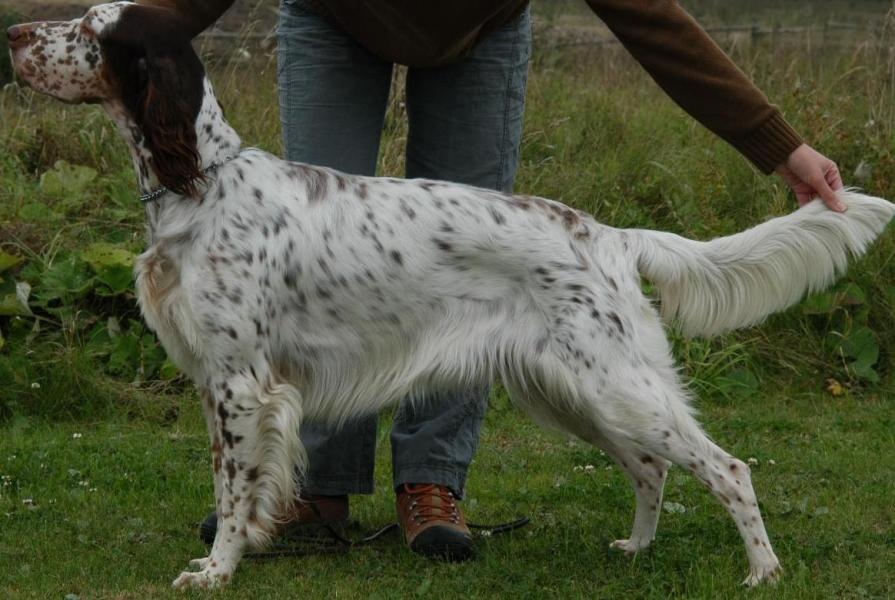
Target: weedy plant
{"points": [[599, 136]]}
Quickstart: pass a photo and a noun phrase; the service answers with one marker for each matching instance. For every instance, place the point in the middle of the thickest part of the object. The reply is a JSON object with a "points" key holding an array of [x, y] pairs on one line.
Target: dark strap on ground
{"points": [[335, 541]]}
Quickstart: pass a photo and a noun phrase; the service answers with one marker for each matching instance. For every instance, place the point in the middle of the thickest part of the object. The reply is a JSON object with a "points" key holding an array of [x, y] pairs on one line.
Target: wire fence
{"points": [[754, 32]]}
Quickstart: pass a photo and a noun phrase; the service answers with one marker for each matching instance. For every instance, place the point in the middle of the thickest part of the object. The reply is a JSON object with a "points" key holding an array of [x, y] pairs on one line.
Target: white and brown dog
{"points": [[290, 292]]}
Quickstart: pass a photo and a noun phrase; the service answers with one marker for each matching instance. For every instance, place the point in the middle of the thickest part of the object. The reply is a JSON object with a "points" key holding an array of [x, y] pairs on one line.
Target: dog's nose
{"points": [[18, 35]]}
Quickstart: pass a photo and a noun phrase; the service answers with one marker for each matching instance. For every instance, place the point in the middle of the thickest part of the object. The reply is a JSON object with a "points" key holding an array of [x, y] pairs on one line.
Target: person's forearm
{"points": [[699, 76]]}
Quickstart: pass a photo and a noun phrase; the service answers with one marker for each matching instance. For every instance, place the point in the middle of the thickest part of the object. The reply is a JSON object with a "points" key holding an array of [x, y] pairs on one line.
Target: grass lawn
{"points": [[107, 510], [104, 461]]}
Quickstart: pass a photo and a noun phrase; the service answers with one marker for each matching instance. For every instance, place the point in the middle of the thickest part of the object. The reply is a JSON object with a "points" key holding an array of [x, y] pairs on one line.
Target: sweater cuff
{"points": [[770, 144]]}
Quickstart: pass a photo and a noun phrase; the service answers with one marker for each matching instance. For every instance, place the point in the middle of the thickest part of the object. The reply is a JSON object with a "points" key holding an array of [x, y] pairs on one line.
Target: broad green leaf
{"points": [[66, 180], [113, 265], [861, 345], [864, 370], [852, 294], [8, 261], [168, 370], [37, 211], [99, 341], [22, 330], [153, 355], [66, 279], [819, 304], [125, 355], [889, 291], [14, 298], [117, 214]]}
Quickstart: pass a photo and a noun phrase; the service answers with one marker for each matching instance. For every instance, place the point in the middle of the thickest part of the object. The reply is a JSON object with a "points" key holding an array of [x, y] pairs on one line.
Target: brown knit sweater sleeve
{"points": [[699, 76]]}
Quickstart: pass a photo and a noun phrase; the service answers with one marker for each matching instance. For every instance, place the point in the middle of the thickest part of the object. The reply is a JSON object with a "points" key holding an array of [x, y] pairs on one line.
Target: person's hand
{"points": [[811, 174]]}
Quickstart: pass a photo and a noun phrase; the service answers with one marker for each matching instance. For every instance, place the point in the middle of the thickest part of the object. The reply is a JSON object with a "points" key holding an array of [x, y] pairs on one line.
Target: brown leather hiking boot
{"points": [[432, 522], [312, 510]]}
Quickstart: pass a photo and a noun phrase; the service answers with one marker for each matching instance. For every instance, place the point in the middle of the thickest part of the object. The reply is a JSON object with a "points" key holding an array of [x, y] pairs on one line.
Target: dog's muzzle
{"points": [[20, 35]]}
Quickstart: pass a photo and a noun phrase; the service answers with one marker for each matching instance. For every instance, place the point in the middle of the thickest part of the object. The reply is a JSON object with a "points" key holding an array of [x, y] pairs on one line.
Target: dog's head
{"points": [[132, 57]]}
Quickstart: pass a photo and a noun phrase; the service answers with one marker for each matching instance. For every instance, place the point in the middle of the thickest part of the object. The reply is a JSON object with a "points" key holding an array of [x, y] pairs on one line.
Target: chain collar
{"points": [[159, 192]]}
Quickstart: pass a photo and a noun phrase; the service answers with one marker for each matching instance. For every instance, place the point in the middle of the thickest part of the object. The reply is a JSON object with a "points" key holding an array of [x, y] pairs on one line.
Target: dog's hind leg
{"points": [[664, 426], [256, 422], [729, 480], [640, 415], [621, 383], [646, 472]]}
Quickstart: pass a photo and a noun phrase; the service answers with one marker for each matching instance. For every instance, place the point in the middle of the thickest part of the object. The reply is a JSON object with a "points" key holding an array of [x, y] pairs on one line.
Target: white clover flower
{"points": [[752, 461], [772, 462], [76, 436], [35, 386], [675, 508], [588, 468]]}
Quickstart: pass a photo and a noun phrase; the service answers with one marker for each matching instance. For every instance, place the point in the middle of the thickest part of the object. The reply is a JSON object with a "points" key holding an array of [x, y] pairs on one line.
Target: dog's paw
{"points": [[203, 580], [629, 547], [770, 575]]}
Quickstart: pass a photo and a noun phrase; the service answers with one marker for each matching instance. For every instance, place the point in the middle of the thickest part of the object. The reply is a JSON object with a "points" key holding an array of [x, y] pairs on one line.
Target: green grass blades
{"points": [[108, 510], [104, 465]]}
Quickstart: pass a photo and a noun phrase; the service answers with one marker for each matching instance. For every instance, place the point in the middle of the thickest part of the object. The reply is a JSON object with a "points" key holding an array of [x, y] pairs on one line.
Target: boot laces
{"points": [[431, 502]]}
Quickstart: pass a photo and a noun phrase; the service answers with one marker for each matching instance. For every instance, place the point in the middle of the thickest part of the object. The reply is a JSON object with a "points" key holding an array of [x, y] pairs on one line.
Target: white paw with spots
{"points": [[769, 574], [630, 547], [203, 580]]}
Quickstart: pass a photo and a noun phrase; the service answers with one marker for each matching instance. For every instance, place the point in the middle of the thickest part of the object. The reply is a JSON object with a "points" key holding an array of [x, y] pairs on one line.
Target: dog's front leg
{"points": [[232, 423], [217, 458], [254, 431], [214, 438]]}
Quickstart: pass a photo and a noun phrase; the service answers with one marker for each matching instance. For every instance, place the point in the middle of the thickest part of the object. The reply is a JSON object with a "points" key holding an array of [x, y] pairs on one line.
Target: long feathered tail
{"points": [[736, 281]]}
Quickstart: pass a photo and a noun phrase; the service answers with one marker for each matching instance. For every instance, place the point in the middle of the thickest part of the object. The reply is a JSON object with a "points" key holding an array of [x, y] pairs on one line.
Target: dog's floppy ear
{"points": [[165, 92], [167, 114]]}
